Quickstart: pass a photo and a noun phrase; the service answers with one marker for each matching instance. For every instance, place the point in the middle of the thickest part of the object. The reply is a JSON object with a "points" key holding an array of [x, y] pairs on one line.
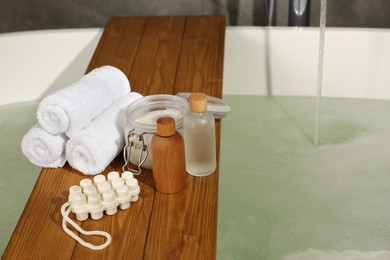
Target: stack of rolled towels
{"points": [[82, 123]]}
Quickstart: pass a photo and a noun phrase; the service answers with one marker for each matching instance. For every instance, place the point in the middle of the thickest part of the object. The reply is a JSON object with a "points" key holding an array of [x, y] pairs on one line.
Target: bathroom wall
{"points": [[20, 15]]}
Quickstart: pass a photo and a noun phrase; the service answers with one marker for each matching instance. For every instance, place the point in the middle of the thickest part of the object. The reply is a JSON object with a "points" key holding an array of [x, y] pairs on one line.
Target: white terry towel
{"points": [[44, 149], [93, 148], [72, 108]]}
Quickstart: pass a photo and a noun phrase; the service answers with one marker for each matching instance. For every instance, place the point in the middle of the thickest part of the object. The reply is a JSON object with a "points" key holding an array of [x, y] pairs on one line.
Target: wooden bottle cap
{"points": [[166, 126], [198, 102]]}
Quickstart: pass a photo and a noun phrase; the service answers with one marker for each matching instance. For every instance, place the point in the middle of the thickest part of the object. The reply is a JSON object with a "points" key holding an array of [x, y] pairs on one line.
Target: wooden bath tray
{"points": [[159, 55]]}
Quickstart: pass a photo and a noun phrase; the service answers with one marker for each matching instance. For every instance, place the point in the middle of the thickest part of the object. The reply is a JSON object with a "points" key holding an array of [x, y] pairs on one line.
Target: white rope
{"points": [[65, 210]]}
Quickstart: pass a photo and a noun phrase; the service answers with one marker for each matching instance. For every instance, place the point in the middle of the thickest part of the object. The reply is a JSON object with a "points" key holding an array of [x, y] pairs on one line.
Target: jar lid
{"points": [[166, 126], [153, 103]]}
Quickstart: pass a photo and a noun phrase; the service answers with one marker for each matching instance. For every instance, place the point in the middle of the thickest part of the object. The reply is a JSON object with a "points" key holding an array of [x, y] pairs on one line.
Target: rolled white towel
{"points": [[44, 149], [72, 108], [93, 148]]}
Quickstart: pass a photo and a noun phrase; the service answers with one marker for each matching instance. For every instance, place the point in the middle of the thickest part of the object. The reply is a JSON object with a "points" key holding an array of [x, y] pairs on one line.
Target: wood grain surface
{"points": [[159, 55], [169, 167]]}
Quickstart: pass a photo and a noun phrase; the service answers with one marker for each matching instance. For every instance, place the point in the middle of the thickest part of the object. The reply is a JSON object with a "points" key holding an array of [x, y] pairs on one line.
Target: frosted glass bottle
{"points": [[199, 137]]}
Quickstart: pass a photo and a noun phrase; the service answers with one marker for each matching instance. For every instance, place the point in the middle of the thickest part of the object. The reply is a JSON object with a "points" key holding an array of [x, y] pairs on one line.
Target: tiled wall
{"points": [[19, 15]]}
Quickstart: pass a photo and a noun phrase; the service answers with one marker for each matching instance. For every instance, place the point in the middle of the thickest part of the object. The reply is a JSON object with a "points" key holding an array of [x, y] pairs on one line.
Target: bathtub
{"points": [[258, 62]]}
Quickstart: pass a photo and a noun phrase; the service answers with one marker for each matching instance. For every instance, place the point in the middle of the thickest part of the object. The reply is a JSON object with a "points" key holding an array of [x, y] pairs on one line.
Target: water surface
{"points": [[17, 174], [280, 195]]}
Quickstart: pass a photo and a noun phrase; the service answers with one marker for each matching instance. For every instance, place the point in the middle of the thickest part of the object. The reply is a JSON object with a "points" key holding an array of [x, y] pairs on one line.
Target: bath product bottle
{"points": [[199, 137], [168, 159]]}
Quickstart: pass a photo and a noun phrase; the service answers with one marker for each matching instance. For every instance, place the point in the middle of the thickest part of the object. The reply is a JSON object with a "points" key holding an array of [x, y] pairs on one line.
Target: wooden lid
{"points": [[198, 102], [166, 126]]}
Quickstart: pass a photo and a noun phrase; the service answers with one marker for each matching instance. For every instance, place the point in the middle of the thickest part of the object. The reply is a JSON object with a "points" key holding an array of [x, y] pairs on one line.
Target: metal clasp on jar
{"points": [[135, 142]]}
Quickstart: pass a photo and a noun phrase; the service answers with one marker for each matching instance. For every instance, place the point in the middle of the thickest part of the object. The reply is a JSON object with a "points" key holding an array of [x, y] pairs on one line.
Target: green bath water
{"points": [[17, 174], [279, 196]]}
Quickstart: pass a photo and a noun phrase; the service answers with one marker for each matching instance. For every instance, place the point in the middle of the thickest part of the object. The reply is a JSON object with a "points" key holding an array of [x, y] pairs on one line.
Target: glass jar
{"points": [[141, 117]]}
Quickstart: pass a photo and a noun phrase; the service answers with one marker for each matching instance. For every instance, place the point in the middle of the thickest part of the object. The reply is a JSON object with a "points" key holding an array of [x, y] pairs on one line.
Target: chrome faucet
{"points": [[299, 13], [270, 12]]}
